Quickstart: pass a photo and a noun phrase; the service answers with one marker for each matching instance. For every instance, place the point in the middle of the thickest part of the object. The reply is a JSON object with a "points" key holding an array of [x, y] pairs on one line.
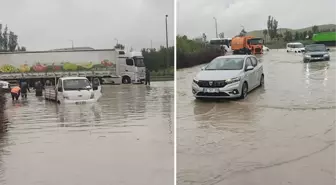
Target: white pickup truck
{"points": [[77, 90]]}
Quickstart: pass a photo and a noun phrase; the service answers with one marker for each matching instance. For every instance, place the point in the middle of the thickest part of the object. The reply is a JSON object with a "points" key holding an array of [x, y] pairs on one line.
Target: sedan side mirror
{"points": [[249, 68]]}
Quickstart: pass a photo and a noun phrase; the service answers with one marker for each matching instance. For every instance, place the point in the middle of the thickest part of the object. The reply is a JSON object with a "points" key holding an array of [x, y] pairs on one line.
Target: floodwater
{"points": [[281, 134], [125, 139]]}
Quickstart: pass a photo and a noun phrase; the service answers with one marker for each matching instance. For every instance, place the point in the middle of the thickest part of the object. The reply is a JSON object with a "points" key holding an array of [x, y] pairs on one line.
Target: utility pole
{"points": [[216, 26], [167, 42], [72, 44]]}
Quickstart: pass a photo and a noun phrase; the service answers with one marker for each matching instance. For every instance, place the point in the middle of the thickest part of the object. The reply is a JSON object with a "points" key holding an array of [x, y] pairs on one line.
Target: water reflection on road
{"points": [[281, 134], [124, 139]]}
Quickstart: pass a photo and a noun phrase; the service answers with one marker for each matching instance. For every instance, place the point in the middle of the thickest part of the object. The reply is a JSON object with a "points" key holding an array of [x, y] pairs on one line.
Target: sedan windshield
{"points": [[226, 64], [316, 48], [76, 84]]}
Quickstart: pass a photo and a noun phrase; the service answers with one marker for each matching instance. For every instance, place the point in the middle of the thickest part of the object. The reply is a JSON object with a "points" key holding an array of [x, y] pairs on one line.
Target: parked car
{"points": [[231, 76], [4, 86], [316, 52]]}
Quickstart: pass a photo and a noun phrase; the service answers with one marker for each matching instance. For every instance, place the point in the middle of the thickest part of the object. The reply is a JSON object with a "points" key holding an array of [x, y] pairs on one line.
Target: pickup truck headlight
{"points": [[232, 80], [92, 95]]}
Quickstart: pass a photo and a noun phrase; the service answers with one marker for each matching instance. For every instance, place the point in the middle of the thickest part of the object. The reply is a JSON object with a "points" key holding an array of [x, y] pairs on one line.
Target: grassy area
{"points": [[163, 72], [259, 33], [281, 44]]}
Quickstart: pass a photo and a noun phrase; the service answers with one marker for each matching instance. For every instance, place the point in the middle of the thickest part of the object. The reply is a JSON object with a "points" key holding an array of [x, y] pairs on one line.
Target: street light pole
{"points": [[167, 41], [72, 44], [216, 26]]}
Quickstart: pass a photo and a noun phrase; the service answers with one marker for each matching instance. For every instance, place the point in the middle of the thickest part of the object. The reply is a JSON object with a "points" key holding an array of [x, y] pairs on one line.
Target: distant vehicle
{"points": [[4, 86], [316, 52], [222, 43], [247, 45], [115, 66], [77, 90], [231, 76], [296, 47], [327, 38], [265, 48]]}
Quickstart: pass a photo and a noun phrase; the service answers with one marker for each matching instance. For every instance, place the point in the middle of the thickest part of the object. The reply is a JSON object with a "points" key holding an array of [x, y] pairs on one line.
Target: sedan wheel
{"points": [[262, 81], [244, 91]]}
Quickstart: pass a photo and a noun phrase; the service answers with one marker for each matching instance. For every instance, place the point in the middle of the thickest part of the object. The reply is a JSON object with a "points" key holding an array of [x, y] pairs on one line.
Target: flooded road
{"points": [[281, 134], [125, 139]]}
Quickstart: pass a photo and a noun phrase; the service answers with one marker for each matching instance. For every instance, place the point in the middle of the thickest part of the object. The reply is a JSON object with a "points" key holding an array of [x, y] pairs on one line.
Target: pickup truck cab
{"points": [[77, 90]]}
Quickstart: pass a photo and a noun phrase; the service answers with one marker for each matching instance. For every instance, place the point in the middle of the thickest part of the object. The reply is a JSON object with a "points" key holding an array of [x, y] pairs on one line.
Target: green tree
{"points": [[1, 38], [12, 42], [310, 34], [297, 36], [272, 27], [265, 34], [288, 36], [5, 39], [23, 48], [315, 29]]}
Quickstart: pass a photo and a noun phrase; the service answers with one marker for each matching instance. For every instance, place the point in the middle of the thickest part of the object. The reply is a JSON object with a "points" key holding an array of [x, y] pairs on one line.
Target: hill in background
{"points": [[259, 33]]}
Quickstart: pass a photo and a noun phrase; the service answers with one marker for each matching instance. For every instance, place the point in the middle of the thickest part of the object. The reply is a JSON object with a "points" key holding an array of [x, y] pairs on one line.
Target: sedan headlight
{"points": [[307, 56], [232, 80], [326, 55], [195, 80]]}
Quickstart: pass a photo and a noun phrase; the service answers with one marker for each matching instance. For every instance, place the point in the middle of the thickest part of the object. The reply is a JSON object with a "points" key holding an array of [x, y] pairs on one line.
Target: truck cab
{"points": [[74, 90], [132, 67], [247, 45]]}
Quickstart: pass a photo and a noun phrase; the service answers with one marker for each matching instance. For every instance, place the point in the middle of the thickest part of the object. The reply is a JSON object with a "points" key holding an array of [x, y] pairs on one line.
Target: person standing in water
{"points": [[147, 77], [38, 89], [24, 89], [15, 92]]}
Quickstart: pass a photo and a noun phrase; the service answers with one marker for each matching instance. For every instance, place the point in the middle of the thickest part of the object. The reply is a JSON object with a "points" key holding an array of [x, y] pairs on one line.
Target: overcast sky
{"points": [[195, 17], [48, 24]]}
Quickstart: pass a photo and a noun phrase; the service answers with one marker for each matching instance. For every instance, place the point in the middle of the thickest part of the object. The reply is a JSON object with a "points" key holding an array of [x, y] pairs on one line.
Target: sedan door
{"points": [[257, 70], [249, 75]]}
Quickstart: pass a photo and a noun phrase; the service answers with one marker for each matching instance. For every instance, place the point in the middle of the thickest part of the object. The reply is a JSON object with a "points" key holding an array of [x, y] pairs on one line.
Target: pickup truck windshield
{"points": [[76, 84], [139, 62]]}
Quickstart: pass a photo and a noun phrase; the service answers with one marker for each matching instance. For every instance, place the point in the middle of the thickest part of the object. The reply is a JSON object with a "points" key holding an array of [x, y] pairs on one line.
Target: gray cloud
{"points": [[47, 24], [195, 17]]}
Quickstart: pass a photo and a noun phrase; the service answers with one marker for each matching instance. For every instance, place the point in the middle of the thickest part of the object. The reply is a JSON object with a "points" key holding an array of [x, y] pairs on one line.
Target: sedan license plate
{"points": [[211, 90], [317, 58]]}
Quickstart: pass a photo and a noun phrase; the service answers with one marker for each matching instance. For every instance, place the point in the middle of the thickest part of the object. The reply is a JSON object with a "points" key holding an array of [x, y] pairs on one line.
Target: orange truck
{"points": [[247, 45]]}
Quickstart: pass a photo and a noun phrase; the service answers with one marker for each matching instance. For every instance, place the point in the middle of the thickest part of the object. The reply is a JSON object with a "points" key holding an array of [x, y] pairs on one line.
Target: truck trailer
{"points": [[108, 65]]}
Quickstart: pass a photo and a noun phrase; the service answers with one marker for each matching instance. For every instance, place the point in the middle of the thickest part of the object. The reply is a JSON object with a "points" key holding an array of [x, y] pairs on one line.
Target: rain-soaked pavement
{"points": [[282, 134], [125, 139]]}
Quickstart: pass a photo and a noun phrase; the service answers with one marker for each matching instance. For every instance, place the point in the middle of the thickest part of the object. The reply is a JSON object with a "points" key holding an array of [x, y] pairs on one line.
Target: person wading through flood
{"points": [[15, 92], [38, 89], [24, 89], [147, 81]]}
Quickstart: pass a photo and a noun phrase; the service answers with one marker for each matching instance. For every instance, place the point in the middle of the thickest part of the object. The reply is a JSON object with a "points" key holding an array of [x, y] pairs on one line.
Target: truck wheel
{"points": [[126, 80]]}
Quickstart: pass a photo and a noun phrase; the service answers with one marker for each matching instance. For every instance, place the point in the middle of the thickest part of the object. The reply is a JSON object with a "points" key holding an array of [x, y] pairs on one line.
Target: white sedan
{"points": [[231, 76]]}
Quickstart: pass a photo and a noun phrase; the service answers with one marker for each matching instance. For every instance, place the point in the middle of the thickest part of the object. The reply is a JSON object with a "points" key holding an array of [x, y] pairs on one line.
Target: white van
{"points": [[296, 47], [77, 90]]}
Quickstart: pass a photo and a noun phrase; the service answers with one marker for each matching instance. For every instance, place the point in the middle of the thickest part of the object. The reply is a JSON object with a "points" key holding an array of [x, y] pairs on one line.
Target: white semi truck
{"points": [[108, 65]]}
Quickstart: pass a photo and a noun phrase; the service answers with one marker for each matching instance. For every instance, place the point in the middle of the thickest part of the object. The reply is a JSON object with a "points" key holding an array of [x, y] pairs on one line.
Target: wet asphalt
{"points": [[281, 134], [125, 139]]}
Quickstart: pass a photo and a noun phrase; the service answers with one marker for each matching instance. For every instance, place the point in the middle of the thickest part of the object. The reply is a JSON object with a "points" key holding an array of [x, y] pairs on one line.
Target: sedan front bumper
{"points": [[228, 91]]}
